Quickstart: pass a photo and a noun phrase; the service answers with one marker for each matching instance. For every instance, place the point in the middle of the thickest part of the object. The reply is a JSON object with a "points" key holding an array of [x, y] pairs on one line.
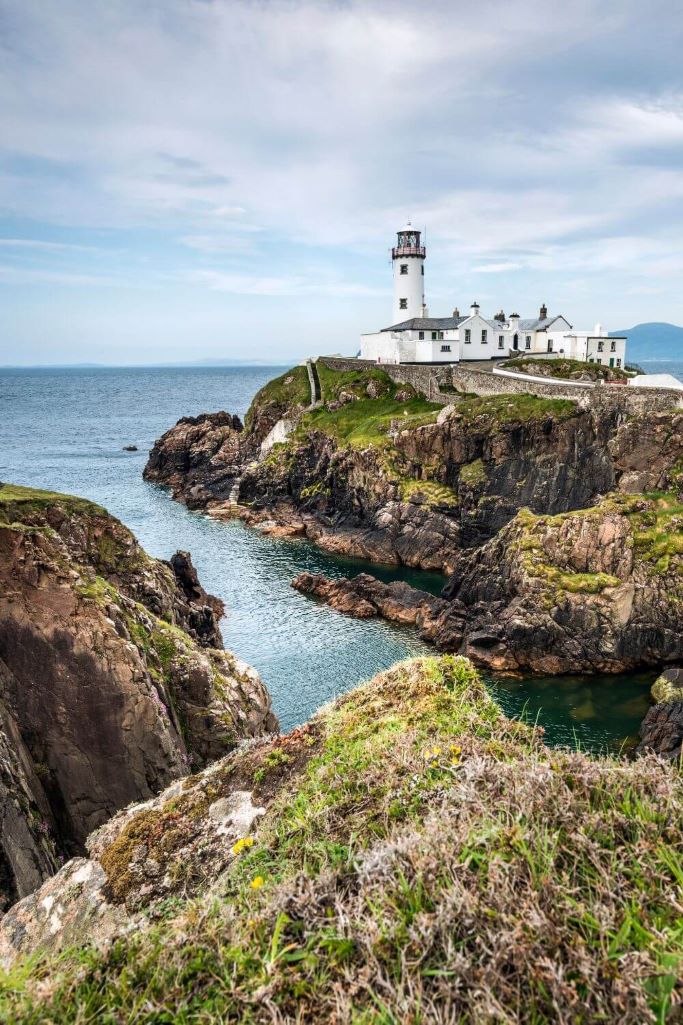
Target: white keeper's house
{"points": [[415, 337]]}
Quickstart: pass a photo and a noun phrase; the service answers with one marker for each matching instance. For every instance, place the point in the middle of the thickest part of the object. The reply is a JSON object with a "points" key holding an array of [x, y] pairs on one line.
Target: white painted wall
{"points": [[483, 339], [408, 286]]}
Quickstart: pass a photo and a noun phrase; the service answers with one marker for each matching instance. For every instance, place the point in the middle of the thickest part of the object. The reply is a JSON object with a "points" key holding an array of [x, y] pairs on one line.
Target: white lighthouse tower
{"points": [[408, 259]]}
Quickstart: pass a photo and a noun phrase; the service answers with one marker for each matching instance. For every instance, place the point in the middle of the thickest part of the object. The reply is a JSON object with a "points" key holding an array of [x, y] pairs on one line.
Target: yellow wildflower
{"points": [[242, 844], [257, 882]]}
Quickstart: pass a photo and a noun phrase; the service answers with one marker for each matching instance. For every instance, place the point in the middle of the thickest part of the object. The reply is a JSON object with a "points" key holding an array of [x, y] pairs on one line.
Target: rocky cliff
{"points": [[410, 855], [505, 494], [113, 680], [596, 590], [379, 472]]}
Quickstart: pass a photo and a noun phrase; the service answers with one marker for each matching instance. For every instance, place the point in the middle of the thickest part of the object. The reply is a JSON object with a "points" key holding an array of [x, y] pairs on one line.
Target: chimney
{"points": [[514, 321], [500, 317], [543, 312], [456, 312], [474, 309]]}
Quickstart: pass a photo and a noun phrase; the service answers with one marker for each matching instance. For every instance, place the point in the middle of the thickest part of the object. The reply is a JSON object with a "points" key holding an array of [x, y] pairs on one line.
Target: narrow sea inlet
{"points": [[66, 430]]}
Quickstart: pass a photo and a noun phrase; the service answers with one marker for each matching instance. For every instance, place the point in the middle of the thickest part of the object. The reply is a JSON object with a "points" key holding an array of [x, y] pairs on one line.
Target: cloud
{"points": [[42, 245], [278, 144], [244, 284]]}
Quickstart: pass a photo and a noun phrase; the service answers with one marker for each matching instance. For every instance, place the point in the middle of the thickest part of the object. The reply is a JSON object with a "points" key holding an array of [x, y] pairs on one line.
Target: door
{"points": [[611, 361]]}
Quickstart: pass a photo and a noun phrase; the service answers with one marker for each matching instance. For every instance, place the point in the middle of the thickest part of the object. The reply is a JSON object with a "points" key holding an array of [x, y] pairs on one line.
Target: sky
{"points": [[185, 179]]}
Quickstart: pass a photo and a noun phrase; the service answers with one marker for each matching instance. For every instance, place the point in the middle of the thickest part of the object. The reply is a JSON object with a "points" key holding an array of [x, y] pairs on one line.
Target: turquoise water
{"points": [[65, 430]]}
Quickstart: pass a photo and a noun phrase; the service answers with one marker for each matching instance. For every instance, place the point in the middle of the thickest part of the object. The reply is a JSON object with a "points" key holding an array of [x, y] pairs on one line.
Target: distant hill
{"points": [[653, 341]]}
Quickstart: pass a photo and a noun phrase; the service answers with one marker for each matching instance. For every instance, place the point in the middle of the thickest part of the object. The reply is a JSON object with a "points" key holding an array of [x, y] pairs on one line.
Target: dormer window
{"points": [[404, 268]]}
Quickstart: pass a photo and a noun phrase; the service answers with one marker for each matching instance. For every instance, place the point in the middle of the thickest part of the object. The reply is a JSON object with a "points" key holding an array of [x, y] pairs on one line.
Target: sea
{"points": [[65, 429]]}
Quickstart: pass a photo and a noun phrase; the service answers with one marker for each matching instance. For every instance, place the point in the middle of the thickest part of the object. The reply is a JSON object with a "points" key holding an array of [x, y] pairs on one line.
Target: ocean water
{"points": [[65, 429]]}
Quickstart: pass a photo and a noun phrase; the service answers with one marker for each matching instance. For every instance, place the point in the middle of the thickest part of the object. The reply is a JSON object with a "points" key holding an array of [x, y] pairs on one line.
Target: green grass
{"points": [[355, 382], [502, 409], [17, 501], [366, 422], [287, 391], [568, 369], [428, 859]]}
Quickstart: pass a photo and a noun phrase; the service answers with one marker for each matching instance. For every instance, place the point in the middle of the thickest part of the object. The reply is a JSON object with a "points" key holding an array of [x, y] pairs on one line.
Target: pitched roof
{"points": [[427, 324], [539, 325]]}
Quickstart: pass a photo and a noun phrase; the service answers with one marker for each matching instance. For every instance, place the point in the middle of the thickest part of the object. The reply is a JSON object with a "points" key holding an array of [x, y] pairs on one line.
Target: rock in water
{"points": [[112, 681], [662, 731]]}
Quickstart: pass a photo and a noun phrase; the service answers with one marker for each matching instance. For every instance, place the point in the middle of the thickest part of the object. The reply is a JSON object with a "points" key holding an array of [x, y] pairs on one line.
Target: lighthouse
{"points": [[408, 261]]}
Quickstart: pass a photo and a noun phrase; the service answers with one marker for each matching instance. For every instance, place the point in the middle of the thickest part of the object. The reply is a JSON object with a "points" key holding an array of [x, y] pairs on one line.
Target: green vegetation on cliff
{"points": [[368, 421], [18, 503], [569, 369], [422, 859], [289, 391]]}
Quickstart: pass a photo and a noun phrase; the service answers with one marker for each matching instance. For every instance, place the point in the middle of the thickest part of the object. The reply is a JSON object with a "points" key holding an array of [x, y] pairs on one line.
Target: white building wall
{"points": [[408, 287], [483, 339]]}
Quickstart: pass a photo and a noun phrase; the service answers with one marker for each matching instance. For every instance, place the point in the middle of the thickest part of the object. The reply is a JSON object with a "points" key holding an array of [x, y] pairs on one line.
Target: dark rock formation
{"points": [[199, 458], [580, 592], [433, 489], [662, 731], [437, 620], [110, 686]]}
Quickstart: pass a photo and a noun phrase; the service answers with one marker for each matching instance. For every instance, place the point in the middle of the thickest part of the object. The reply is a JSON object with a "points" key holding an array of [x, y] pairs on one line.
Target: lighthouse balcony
{"points": [[399, 251]]}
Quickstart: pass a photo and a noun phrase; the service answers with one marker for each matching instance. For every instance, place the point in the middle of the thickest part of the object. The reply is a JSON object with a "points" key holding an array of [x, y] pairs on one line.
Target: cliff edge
{"points": [[113, 680]]}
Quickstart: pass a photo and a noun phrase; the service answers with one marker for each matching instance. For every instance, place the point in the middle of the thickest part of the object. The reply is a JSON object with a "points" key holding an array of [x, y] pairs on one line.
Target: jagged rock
{"points": [[109, 688], [440, 487], [662, 731], [181, 458], [179, 842], [579, 592]]}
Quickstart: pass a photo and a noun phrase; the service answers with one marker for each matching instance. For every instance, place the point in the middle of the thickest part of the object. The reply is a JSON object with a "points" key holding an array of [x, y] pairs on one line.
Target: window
{"points": [[550, 345], [445, 348], [422, 268], [618, 362], [598, 360], [501, 341], [613, 347], [433, 336], [601, 346], [440, 334], [421, 335], [404, 268], [468, 335], [527, 342], [483, 337], [403, 304]]}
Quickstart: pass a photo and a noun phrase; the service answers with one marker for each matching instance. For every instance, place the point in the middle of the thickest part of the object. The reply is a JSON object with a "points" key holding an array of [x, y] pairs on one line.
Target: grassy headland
{"points": [[427, 860]]}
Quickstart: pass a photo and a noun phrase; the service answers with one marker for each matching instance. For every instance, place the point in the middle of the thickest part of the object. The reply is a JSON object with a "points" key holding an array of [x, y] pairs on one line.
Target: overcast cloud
{"points": [[186, 178]]}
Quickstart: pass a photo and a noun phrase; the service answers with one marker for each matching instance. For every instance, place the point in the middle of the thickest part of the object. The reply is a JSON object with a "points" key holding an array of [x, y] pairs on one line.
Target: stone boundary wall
{"points": [[429, 379]]}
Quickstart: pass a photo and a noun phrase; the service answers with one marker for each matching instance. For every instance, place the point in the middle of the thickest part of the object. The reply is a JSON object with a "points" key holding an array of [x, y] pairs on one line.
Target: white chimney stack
{"points": [[474, 309]]}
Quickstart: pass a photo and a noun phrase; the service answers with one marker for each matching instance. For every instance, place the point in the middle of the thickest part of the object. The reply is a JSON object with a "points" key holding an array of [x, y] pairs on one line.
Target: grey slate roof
{"points": [[448, 323], [427, 324], [538, 325]]}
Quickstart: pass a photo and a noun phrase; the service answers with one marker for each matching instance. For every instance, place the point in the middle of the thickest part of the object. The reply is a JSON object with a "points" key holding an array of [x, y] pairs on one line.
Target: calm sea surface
{"points": [[65, 430]]}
